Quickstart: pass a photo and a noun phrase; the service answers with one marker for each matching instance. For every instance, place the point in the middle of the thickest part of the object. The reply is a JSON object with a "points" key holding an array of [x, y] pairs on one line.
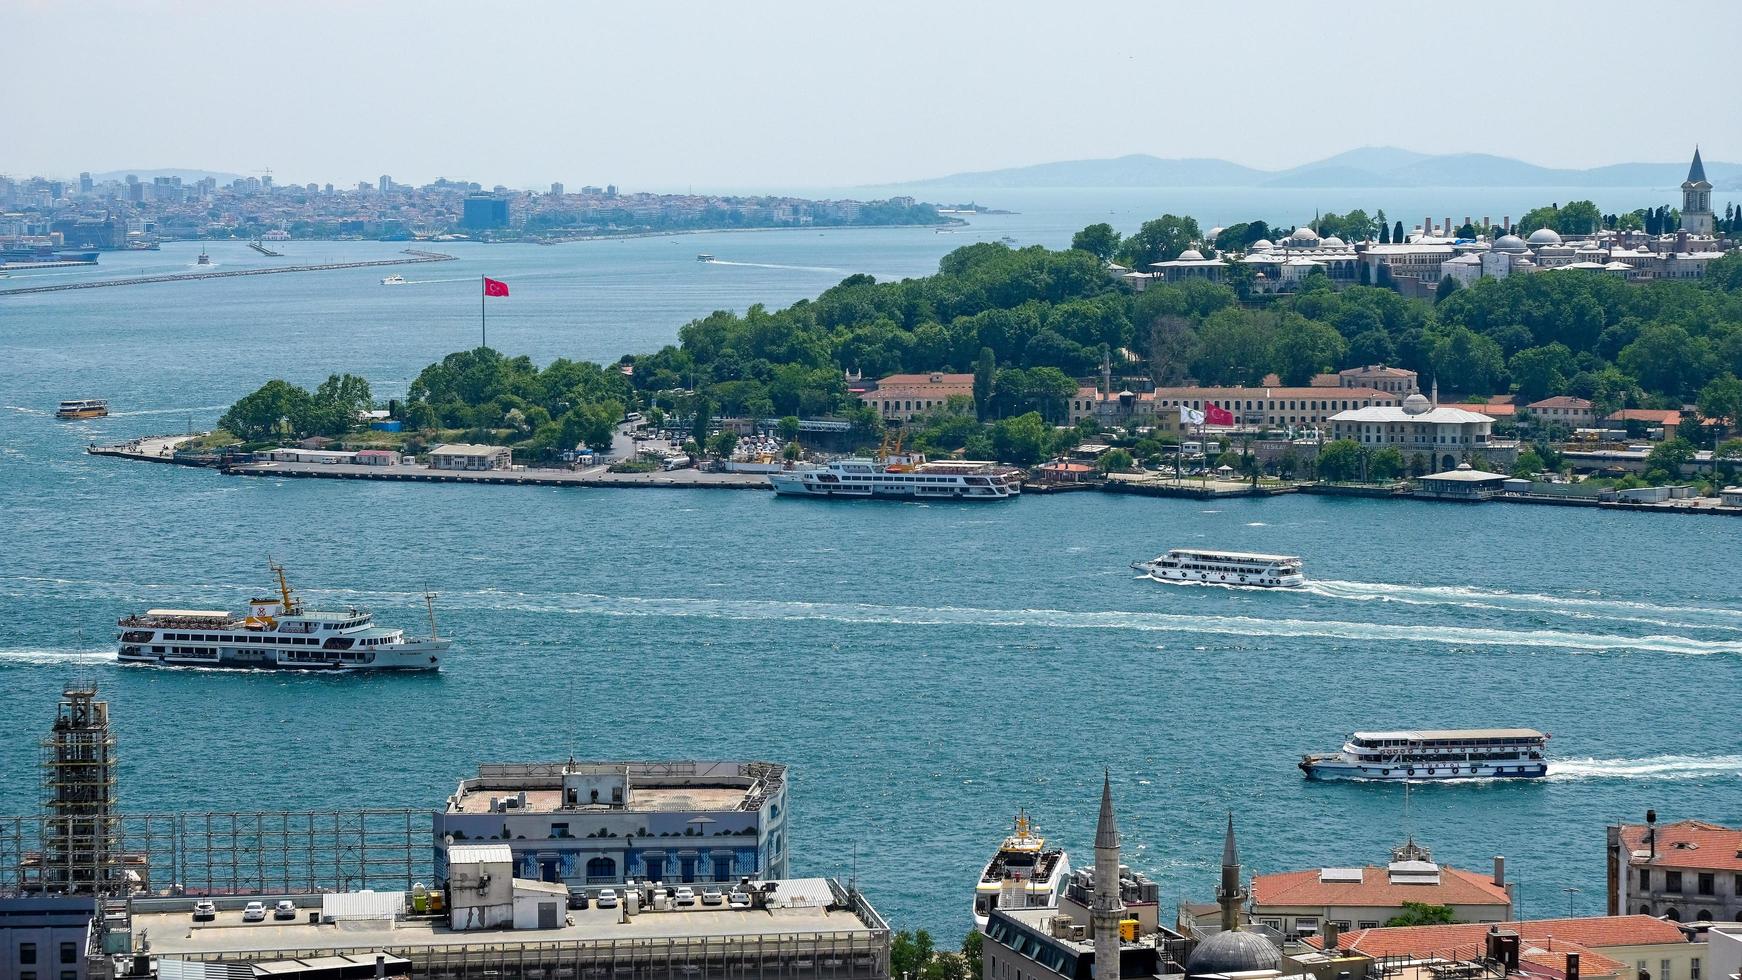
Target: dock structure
{"points": [[415, 258], [263, 250]]}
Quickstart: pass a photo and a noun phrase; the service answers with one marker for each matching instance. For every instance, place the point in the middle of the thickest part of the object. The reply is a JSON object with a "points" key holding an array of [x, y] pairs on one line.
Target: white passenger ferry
{"points": [[276, 634], [1224, 568], [1024, 873], [914, 480], [1471, 753], [82, 408]]}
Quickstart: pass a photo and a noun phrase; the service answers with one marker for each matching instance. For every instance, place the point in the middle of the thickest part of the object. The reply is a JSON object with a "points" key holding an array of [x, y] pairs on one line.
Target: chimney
{"points": [[1332, 934], [1486, 223], [1427, 226], [1506, 222], [1502, 949], [1572, 966], [381, 965], [1651, 831], [1499, 871]]}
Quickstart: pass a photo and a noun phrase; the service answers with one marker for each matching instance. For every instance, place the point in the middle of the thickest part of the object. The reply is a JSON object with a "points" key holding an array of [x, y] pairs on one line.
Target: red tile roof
{"points": [[1661, 416], [1595, 932], [1273, 392], [1562, 401], [1303, 888], [1493, 410], [1687, 844]]}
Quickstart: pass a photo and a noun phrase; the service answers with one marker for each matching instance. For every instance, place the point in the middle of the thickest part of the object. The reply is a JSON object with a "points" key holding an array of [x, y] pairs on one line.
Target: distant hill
{"points": [[1370, 166], [187, 174]]}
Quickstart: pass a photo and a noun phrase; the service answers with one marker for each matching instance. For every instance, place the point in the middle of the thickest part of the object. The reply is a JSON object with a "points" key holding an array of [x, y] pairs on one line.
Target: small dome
{"points": [[1417, 404], [1332, 241], [1216, 233], [1233, 952], [1545, 236], [1191, 255], [1465, 467], [1509, 243], [1262, 245], [1304, 236]]}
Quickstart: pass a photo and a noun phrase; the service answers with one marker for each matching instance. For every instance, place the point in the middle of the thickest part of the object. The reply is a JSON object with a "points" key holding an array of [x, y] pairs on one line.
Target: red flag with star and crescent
{"points": [[1215, 415], [495, 287]]}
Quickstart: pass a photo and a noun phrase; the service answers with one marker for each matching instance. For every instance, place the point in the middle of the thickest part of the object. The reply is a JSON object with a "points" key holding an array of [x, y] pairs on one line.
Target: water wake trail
{"points": [[47, 658], [167, 411], [798, 268], [1499, 600], [1652, 767]]}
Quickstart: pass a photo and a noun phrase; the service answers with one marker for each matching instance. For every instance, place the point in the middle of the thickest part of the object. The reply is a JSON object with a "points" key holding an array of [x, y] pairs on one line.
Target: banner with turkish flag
{"points": [[1218, 416], [495, 287]]}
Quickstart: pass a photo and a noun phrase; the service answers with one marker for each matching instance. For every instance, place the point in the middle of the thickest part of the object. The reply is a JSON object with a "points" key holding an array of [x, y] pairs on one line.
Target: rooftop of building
{"points": [[805, 906], [1661, 416], [1376, 888], [673, 787], [1411, 411], [1593, 932], [1561, 401], [466, 449], [932, 379], [1685, 844]]}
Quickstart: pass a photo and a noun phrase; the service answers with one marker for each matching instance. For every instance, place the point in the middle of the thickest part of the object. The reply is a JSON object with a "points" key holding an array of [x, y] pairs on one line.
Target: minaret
{"points": [[1109, 907], [1697, 218], [1230, 895]]}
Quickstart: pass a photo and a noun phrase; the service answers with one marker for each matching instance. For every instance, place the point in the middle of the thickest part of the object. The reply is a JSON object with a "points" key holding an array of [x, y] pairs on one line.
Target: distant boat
{"points": [[704, 257], [204, 259], [82, 408], [393, 280]]}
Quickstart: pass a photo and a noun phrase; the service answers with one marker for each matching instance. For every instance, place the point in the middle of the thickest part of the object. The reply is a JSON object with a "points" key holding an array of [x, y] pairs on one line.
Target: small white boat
{"points": [[394, 280], [1436, 756], [704, 257], [1224, 568]]}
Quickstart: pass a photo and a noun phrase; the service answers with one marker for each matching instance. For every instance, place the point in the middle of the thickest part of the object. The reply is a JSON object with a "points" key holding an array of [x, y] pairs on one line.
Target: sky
{"points": [[808, 93]]}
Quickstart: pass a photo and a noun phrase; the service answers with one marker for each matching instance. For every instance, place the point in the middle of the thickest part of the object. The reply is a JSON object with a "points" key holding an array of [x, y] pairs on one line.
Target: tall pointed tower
{"points": [[81, 830], [1109, 906], [1697, 199], [1230, 895]]}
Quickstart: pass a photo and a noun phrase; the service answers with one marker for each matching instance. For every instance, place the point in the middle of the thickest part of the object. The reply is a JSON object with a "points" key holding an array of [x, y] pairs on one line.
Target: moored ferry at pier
{"points": [[1024, 873], [276, 633], [82, 408], [1403, 756], [1224, 568], [913, 480]]}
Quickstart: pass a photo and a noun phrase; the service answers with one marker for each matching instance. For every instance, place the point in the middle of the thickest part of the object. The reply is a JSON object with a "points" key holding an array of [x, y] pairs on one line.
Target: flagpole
{"points": [[483, 325]]}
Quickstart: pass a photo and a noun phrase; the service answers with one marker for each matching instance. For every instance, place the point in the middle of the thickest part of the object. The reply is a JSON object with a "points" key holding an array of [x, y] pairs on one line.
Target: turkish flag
{"points": [[495, 287], [1218, 416]]}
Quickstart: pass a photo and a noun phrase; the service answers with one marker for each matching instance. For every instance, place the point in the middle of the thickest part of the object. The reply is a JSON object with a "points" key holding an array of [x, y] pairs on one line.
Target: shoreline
{"points": [[415, 257]]}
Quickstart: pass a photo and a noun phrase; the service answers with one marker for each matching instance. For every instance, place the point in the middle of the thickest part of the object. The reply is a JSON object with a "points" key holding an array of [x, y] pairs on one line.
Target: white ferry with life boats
{"points": [[1435, 756], [1024, 873], [896, 474], [277, 633], [1224, 568]]}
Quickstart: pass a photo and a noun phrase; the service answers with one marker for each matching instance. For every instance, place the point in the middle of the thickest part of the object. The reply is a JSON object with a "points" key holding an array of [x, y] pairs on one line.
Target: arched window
{"points": [[1704, 916], [1645, 910], [601, 869], [1672, 915]]}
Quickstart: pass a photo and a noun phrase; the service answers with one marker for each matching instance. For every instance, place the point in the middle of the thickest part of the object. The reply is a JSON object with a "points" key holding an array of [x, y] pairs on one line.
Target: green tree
{"points": [[1465, 361], [1670, 456], [1447, 287], [276, 408], [1721, 399], [1340, 460], [946, 966], [1114, 461], [1668, 359], [909, 953], [787, 428], [337, 404], [1023, 440], [722, 443], [1528, 464], [1384, 464], [1159, 240], [1422, 914], [985, 378], [1303, 348], [1579, 218], [1099, 240], [973, 950], [1539, 372]]}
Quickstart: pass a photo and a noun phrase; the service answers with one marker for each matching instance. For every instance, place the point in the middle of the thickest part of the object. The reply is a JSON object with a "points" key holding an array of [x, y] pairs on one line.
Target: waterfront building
{"points": [[799, 929], [1688, 871], [1401, 382], [1644, 945], [468, 456], [1277, 407], [1496, 954], [1697, 217], [1303, 903], [901, 397], [481, 212], [1443, 434], [1567, 410], [600, 823], [1659, 423], [1462, 483]]}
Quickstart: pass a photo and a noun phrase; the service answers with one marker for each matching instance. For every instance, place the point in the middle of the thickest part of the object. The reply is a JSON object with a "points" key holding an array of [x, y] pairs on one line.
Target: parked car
{"points": [[285, 909], [738, 899], [254, 912], [712, 896], [686, 895], [608, 898], [578, 900], [205, 911]]}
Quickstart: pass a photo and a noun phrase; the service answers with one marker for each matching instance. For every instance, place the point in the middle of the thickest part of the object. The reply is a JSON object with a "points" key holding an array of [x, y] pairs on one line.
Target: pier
{"points": [[416, 257], [263, 250]]}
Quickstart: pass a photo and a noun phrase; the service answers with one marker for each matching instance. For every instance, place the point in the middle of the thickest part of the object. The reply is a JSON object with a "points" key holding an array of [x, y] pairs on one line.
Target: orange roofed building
{"points": [[907, 396], [1689, 871], [1301, 903], [1628, 946]]}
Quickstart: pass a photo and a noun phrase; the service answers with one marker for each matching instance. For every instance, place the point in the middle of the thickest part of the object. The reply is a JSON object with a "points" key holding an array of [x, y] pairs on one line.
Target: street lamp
{"points": [[1570, 893]]}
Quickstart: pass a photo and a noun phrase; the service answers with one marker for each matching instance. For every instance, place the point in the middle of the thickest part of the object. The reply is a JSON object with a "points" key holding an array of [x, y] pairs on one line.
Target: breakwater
{"points": [[414, 257]]}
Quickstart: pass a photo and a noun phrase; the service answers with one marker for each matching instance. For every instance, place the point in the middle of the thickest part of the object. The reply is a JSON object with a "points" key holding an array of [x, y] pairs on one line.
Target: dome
{"points": [[1191, 255], [1416, 404], [1233, 952], [1332, 242], [1304, 236], [1216, 233], [1262, 245], [1545, 236], [1509, 243]]}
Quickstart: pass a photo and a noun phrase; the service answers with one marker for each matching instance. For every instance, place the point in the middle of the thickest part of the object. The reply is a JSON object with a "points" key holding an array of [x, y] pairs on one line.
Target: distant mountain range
{"points": [[1371, 166]]}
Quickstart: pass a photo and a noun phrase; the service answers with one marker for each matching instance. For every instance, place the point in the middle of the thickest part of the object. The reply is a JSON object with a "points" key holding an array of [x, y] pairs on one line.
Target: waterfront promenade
{"points": [[594, 476], [414, 257]]}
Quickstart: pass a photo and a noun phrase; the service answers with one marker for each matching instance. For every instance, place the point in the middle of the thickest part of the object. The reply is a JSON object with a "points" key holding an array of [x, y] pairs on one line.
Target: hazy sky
{"points": [[812, 93]]}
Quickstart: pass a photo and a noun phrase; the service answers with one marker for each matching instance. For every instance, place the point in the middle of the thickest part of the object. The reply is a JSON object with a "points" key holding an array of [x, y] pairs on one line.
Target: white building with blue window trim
{"points": [[604, 823]]}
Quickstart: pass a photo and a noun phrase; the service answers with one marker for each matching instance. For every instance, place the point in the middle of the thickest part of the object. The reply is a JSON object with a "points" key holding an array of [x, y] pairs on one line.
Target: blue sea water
{"points": [[925, 670]]}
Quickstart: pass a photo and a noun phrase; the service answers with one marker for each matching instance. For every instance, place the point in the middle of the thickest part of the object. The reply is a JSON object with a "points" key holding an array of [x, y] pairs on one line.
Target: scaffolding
{"points": [[80, 852]]}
